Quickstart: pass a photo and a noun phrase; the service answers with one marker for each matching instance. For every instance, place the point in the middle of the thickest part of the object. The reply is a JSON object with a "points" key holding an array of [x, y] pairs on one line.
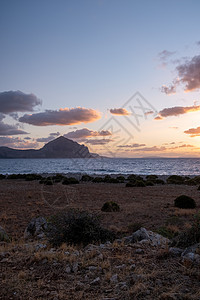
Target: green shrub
{"points": [[110, 206], [135, 226], [176, 179], [149, 183], [193, 181], [159, 181], [48, 182], [97, 179], [166, 232], [136, 183], [76, 227], [133, 177], [151, 177], [184, 201], [121, 178], [2, 176], [190, 236], [70, 180], [86, 178], [31, 177]]}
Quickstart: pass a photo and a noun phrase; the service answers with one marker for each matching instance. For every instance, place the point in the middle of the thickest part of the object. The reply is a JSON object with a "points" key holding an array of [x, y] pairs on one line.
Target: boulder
{"points": [[154, 239], [36, 228]]}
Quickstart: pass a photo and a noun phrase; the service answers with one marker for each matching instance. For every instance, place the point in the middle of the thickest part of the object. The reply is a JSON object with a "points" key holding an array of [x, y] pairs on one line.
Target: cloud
{"points": [[64, 116], [188, 74], [16, 101], [150, 112], [176, 111], [173, 127], [132, 146], [165, 54], [169, 90], [6, 129], [54, 133], [154, 148], [119, 111], [17, 143], [193, 132], [198, 43], [85, 133], [45, 139], [98, 141], [186, 146]]}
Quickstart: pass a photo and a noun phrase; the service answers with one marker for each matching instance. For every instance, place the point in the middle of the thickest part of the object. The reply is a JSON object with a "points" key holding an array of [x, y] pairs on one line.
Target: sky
{"points": [[121, 77]]}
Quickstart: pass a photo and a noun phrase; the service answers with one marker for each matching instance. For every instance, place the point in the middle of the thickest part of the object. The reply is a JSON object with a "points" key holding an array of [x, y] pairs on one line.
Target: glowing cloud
{"points": [[176, 111], [63, 116], [119, 111], [193, 132]]}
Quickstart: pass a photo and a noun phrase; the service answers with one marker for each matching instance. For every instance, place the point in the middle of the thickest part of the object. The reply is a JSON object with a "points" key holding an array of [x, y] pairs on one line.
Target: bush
{"points": [[159, 181], [136, 183], [193, 181], [31, 177], [70, 180], [86, 178], [97, 179], [151, 177], [133, 177], [184, 201], [76, 227], [121, 178], [149, 183], [110, 206], [189, 237], [176, 179], [166, 232], [2, 176]]}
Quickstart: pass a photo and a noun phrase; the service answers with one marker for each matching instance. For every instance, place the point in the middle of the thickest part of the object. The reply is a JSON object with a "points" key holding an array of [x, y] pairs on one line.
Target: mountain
{"points": [[58, 148]]}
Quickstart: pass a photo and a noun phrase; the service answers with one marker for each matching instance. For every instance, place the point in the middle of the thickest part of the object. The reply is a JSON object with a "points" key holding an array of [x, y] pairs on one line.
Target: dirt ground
{"points": [[152, 206]]}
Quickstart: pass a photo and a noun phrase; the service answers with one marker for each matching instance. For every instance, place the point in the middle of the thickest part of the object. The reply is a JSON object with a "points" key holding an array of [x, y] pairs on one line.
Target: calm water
{"points": [[159, 166]]}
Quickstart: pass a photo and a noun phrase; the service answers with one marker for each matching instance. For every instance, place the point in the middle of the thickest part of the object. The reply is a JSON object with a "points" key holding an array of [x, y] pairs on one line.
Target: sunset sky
{"points": [[122, 77]]}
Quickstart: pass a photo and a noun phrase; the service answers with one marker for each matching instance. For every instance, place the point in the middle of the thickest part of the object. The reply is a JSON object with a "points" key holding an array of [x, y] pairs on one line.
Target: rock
{"points": [[192, 257], [139, 251], [3, 235], [68, 269], [96, 281], [139, 235], [75, 267], [155, 239], [114, 278], [175, 251], [36, 228], [40, 246], [192, 249]]}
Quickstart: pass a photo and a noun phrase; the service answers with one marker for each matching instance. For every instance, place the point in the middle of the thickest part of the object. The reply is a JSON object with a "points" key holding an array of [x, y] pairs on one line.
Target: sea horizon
{"points": [[102, 166]]}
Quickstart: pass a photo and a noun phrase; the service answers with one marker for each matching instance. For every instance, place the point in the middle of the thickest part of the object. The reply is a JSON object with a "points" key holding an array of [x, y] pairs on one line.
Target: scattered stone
{"points": [[96, 281], [175, 251], [36, 228], [68, 269], [139, 251], [75, 267], [114, 278]]}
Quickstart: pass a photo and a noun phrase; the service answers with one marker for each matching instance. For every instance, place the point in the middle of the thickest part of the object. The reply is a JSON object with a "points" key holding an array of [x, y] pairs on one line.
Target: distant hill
{"points": [[58, 148]]}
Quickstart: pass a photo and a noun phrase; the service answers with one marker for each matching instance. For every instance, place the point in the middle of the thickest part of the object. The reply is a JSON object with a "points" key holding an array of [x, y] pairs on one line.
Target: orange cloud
{"points": [[63, 116], [119, 111], [193, 132], [176, 111]]}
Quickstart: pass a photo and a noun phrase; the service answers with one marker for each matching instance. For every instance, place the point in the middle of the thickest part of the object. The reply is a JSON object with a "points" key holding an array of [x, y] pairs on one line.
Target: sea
{"points": [[102, 166]]}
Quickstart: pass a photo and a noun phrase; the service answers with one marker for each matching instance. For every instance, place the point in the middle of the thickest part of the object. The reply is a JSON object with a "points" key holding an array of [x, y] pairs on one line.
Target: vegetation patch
{"points": [[70, 180], [76, 228], [110, 206], [184, 201]]}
